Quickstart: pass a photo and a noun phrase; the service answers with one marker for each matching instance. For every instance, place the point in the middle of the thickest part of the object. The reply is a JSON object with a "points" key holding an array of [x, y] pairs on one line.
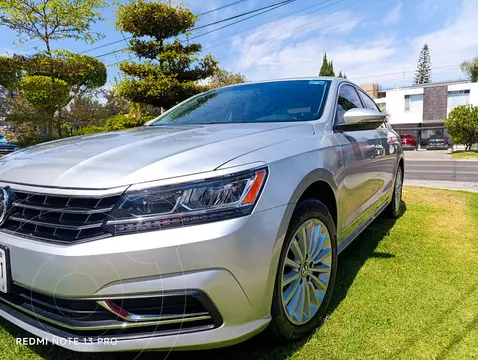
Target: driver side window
{"points": [[348, 99]]}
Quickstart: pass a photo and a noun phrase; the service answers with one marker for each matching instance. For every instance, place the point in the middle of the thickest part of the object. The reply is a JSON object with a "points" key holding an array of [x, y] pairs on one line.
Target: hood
{"points": [[150, 153]]}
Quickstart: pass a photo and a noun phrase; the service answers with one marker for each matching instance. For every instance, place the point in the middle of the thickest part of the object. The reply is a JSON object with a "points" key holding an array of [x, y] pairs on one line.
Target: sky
{"points": [[369, 40]]}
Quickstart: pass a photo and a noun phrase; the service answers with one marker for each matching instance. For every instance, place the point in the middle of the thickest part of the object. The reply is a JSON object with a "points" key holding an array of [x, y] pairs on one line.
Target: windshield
{"points": [[3, 140], [296, 100]]}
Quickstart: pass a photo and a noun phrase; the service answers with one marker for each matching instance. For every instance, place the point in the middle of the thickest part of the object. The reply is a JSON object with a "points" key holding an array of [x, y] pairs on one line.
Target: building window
{"points": [[457, 98], [413, 103]]}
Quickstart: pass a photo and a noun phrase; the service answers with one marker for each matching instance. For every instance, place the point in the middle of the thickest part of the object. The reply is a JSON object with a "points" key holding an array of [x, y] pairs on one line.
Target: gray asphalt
{"points": [[441, 170]]}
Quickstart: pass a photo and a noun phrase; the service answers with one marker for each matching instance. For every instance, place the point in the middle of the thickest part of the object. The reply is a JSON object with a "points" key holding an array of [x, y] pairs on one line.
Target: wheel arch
{"points": [[316, 180], [320, 185]]}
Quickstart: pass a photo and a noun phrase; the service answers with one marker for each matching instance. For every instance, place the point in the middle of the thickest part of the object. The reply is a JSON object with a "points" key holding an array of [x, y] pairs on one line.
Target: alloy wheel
{"points": [[306, 271]]}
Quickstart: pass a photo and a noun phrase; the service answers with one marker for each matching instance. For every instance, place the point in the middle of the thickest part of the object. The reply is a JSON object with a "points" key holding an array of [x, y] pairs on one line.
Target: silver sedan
{"points": [[220, 219]]}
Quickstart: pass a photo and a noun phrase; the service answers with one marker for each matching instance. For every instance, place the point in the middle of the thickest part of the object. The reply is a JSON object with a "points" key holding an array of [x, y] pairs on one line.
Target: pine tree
{"points": [[324, 70], [327, 68], [331, 69], [423, 74]]}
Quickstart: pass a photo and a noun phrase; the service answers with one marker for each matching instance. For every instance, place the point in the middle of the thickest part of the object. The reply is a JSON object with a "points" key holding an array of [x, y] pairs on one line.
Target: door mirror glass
{"points": [[362, 119]]}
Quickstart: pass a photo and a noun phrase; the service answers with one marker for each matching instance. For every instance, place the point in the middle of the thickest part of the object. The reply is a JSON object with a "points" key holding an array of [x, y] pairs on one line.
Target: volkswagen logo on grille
{"points": [[4, 202]]}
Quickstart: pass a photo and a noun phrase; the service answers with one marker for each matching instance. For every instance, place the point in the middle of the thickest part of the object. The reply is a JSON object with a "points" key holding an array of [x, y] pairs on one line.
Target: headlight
{"points": [[187, 204]]}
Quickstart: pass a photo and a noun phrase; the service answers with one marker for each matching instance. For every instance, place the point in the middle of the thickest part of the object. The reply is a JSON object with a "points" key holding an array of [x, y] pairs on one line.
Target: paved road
{"points": [[439, 166], [442, 170]]}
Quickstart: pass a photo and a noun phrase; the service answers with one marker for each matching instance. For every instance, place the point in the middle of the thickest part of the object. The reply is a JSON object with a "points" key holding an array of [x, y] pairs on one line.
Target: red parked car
{"points": [[408, 141]]}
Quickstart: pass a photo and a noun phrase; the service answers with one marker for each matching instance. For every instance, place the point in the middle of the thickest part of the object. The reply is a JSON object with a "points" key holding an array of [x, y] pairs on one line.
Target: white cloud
{"points": [[394, 15], [289, 47], [282, 51]]}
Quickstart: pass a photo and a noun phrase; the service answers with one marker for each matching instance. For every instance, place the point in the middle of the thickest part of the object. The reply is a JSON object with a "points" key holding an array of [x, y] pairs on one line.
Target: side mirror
{"points": [[361, 119]]}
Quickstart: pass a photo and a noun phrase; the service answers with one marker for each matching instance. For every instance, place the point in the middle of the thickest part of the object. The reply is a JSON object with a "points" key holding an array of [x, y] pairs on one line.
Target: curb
{"points": [[442, 160]]}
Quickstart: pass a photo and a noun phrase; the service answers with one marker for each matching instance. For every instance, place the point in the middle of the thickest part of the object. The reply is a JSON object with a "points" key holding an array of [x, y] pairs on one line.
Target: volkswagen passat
{"points": [[220, 219]]}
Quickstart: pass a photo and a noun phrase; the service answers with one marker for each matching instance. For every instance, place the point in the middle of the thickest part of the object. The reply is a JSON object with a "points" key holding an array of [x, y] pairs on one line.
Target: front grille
{"points": [[58, 218], [179, 312]]}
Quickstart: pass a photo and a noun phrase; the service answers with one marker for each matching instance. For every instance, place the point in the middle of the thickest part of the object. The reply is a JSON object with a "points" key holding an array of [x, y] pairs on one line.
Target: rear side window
{"points": [[348, 99]]}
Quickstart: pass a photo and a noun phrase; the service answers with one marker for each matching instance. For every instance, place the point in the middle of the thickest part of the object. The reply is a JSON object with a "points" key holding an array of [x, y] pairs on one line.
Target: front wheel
{"points": [[306, 273]]}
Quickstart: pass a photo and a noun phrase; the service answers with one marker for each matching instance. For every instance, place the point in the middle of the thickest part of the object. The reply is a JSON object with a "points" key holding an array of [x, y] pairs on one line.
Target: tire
{"points": [[393, 210], [284, 327]]}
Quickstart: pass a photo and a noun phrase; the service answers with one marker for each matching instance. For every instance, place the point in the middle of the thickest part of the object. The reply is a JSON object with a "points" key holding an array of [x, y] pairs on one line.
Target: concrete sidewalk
{"points": [[448, 185]]}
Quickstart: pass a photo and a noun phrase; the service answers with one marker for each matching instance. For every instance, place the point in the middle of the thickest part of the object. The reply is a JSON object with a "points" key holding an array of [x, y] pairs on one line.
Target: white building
{"points": [[420, 110]]}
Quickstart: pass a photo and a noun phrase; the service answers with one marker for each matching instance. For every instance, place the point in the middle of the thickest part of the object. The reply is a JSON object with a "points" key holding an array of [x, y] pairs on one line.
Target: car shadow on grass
{"points": [[350, 262]]}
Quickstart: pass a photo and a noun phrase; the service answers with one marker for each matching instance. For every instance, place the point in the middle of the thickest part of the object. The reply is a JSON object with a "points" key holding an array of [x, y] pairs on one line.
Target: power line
{"points": [[236, 22], [323, 27], [222, 7], [405, 72], [260, 25], [315, 21], [284, 2], [276, 24], [408, 78]]}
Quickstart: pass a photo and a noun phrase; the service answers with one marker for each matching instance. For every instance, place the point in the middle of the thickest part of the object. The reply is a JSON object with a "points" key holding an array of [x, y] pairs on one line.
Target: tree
{"points": [[470, 68], [50, 20], [224, 78], [342, 75], [10, 71], [114, 103], [423, 74], [83, 73], [30, 75], [173, 67], [462, 125], [327, 68], [86, 110]]}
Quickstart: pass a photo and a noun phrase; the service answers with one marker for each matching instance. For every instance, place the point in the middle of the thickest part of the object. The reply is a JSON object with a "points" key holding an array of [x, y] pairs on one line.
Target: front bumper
{"points": [[233, 263]]}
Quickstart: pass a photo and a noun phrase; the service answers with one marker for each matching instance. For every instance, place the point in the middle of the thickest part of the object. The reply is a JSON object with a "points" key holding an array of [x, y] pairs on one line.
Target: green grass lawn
{"points": [[465, 155], [407, 289]]}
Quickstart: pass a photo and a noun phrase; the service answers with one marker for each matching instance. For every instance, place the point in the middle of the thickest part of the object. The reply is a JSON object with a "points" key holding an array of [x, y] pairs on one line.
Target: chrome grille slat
{"points": [[64, 219], [55, 225], [64, 210]]}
